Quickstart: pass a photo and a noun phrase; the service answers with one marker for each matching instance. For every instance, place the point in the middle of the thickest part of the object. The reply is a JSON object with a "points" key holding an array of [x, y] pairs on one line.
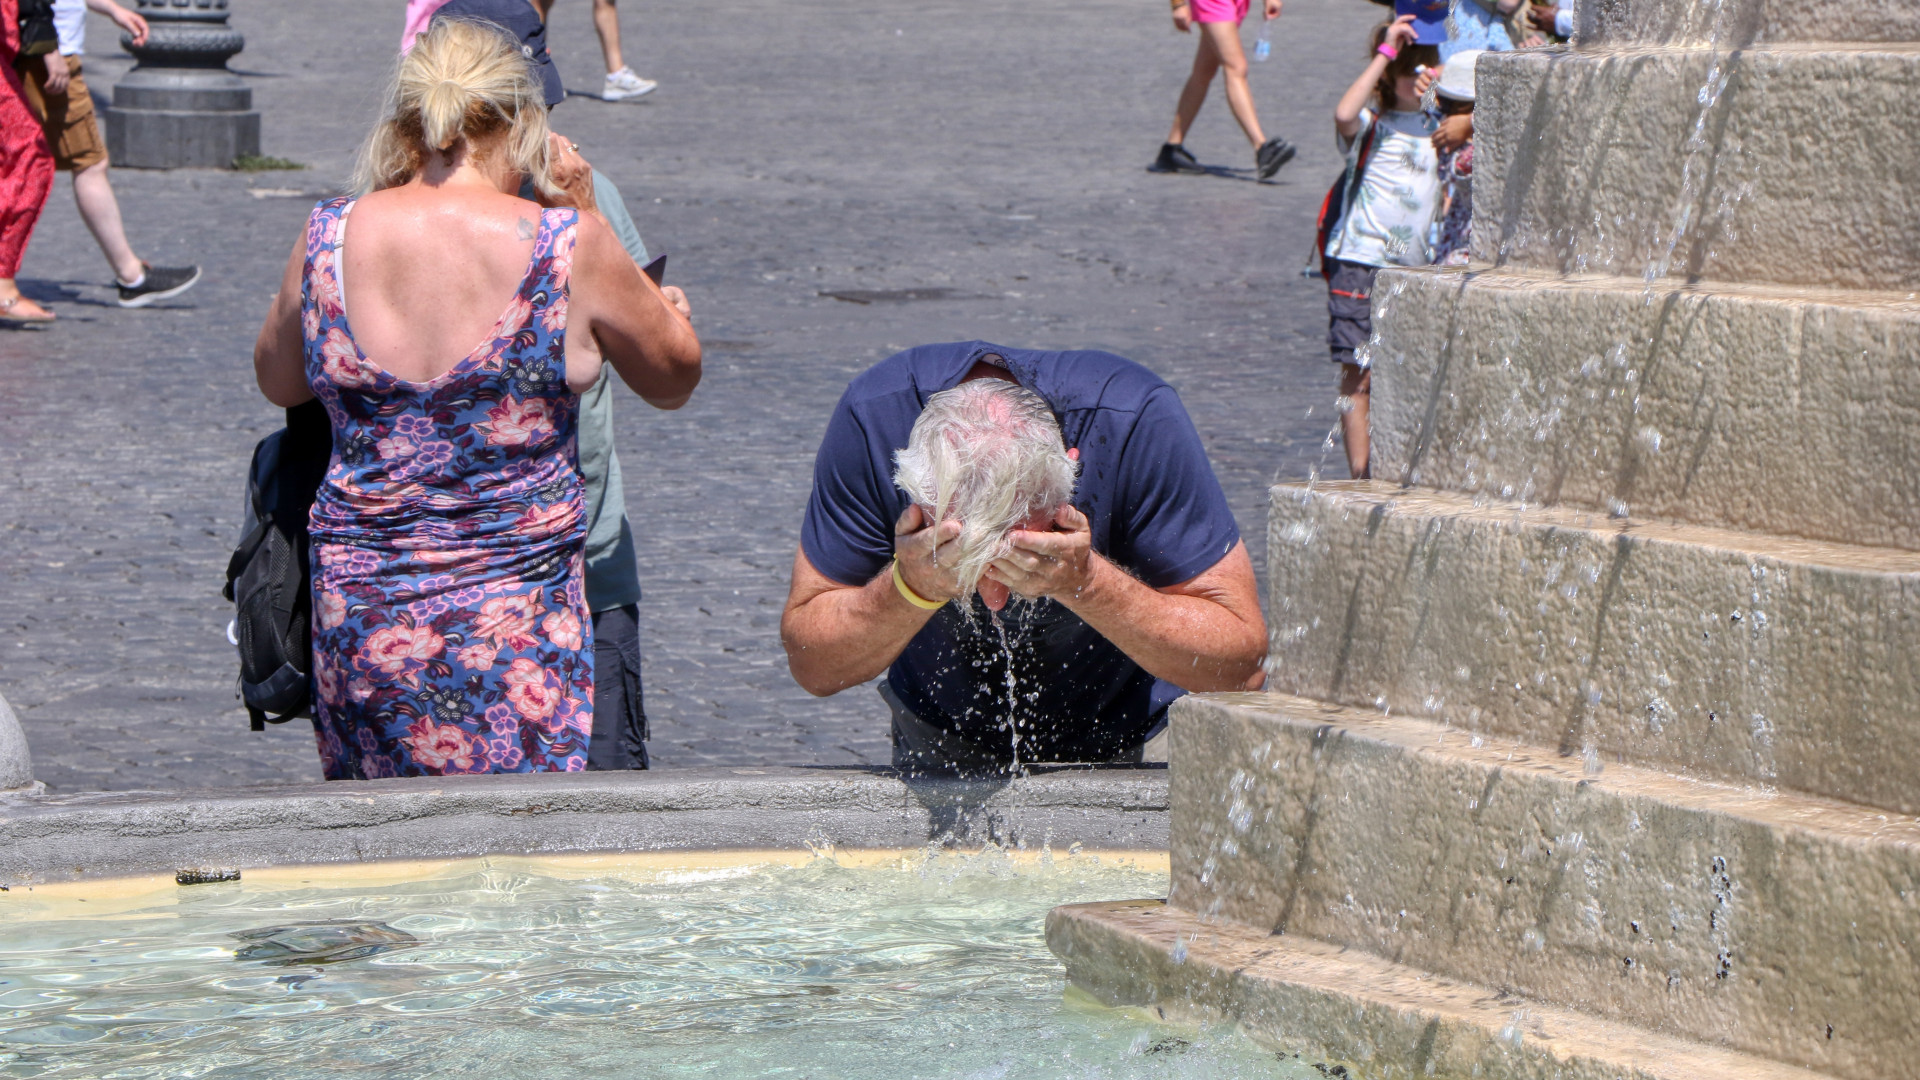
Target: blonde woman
{"points": [[449, 328]]}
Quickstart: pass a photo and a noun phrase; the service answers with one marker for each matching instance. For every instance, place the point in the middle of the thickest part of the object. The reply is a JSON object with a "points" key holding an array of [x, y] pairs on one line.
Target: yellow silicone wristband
{"points": [[911, 597]]}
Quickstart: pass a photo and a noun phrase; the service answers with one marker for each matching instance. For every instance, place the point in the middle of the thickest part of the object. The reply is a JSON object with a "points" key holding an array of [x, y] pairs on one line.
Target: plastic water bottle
{"points": [[1263, 45]]}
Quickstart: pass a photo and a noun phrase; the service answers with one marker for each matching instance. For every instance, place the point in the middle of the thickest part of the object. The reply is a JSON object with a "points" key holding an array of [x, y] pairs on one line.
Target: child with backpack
{"points": [[1381, 211]]}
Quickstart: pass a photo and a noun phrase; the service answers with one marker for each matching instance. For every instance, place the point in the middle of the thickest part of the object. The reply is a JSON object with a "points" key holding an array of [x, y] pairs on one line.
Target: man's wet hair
{"points": [[987, 453]]}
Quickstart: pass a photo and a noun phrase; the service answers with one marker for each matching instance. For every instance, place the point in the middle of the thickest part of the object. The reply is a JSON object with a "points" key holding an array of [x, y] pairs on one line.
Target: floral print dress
{"points": [[450, 626]]}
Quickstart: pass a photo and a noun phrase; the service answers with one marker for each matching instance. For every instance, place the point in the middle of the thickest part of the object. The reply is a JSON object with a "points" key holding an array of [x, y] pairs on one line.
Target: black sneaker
{"points": [[160, 283], [1272, 154], [1175, 159]]}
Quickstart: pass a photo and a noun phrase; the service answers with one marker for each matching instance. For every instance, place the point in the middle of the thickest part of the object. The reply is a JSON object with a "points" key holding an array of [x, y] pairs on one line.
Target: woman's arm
{"points": [[279, 356], [637, 326], [644, 331]]}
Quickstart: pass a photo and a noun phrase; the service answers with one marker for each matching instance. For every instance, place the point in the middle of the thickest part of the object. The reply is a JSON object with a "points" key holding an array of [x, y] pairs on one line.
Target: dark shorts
{"points": [[1349, 309], [619, 718], [920, 749]]}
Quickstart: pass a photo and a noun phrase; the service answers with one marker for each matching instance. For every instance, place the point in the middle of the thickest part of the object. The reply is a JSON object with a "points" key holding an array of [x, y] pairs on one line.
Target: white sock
{"points": [[136, 282]]}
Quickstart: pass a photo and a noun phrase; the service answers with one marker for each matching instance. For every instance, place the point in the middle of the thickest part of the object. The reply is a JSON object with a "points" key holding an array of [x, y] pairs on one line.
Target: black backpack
{"points": [[268, 578], [38, 34]]}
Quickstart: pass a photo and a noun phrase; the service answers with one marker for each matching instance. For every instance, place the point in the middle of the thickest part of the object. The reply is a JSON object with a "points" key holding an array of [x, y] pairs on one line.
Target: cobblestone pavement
{"points": [[795, 149]]}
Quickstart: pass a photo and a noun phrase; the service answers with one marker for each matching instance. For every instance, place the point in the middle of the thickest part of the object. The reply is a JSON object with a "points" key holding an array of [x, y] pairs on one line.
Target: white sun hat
{"points": [[1456, 78]]}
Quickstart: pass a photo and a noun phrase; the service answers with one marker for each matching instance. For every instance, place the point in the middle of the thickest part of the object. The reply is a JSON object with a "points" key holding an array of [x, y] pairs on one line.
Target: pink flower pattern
{"points": [[450, 623]]}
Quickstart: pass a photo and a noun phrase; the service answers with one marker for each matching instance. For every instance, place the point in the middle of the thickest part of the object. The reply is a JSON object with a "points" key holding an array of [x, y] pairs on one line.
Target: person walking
{"points": [[56, 91], [26, 177], [621, 83], [1219, 52], [451, 632]]}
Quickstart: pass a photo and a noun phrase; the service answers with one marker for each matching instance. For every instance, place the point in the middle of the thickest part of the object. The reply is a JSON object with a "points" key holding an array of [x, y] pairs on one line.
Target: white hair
{"points": [[988, 454]]}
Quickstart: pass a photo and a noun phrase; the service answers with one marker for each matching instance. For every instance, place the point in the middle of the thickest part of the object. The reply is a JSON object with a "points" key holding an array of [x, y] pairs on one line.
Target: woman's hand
{"points": [[57, 77], [1182, 16], [1273, 9], [572, 176]]}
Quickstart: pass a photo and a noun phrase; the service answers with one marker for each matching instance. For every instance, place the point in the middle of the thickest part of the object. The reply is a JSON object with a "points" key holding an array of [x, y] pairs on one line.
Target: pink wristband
{"points": [[1389, 52]]}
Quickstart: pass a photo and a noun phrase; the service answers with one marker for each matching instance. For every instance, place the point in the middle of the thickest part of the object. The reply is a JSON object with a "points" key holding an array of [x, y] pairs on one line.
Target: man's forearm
{"points": [[842, 637], [1195, 642]]}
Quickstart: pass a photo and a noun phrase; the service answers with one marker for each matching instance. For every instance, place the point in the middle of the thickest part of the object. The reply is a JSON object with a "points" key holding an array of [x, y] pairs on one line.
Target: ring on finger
{"points": [[574, 146]]}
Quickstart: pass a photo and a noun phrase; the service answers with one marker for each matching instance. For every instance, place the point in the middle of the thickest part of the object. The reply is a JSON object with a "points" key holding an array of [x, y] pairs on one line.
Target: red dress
{"points": [[26, 164]]}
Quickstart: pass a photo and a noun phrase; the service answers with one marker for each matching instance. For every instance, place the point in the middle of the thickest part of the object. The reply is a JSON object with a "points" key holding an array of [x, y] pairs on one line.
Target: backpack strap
{"points": [[244, 552], [1333, 209]]}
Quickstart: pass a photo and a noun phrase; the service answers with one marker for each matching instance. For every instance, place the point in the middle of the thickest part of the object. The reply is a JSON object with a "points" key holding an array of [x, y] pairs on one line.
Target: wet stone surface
{"points": [[833, 184]]}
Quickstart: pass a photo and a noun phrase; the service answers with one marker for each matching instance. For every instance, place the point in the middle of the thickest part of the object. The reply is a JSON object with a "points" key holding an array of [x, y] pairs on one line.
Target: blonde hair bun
{"points": [[465, 80]]}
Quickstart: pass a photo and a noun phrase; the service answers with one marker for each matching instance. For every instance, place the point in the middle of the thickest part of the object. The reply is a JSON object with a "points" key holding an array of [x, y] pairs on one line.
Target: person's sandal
{"points": [[21, 322]]}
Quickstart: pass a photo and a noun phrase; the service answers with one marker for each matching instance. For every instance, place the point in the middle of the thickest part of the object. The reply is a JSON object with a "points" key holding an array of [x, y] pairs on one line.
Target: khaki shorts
{"points": [[67, 118]]}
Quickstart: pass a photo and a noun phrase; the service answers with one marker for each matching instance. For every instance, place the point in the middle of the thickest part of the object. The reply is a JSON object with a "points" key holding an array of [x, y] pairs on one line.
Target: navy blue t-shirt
{"points": [[1146, 487]]}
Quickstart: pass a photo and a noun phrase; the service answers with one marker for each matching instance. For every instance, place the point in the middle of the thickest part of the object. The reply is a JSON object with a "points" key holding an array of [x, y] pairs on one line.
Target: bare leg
{"points": [[101, 211], [606, 23], [1206, 61], [1225, 38], [1356, 386]]}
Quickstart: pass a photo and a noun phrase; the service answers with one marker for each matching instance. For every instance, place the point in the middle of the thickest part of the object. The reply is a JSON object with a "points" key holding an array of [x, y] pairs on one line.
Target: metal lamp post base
{"points": [[181, 107]]}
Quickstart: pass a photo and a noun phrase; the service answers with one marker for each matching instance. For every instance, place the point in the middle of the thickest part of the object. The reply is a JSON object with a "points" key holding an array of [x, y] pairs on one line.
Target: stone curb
{"points": [[1341, 1005], [70, 837]]}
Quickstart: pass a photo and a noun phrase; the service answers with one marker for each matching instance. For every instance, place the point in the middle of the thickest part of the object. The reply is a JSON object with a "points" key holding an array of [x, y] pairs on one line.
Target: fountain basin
{"points": [[721, 963]]}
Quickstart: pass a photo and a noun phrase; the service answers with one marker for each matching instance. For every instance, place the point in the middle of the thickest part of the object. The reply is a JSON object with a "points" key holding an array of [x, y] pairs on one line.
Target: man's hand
{"points": [[1543, 16], [131, 22], [1453, 133], [673, 295], [57, 77], [917, 546], [572, 176], [1182, 17], [1057, 563]]}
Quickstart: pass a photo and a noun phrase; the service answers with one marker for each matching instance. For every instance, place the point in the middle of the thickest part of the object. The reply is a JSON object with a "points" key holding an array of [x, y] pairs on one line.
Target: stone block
{"points": [[1700, 164], [1769, 410], [155, 139], [16, 763], [1721, 654], [1697, 910], [1357, 1015], [1742, 24]]}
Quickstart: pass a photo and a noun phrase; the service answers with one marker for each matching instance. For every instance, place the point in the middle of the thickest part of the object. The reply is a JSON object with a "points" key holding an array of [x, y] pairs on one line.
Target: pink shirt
{"points": [[419, 14]]}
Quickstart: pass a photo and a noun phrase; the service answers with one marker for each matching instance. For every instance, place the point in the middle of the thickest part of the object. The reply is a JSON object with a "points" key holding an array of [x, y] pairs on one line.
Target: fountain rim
{"points": [[100, 836]]}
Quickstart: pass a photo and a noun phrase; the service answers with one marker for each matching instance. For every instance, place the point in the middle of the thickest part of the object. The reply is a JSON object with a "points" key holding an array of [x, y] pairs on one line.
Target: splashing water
{"points": [[1013, 693]]}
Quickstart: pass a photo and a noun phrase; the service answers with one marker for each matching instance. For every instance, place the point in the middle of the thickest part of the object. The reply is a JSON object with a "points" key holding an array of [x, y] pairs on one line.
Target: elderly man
{"points": [[1034, 548]]}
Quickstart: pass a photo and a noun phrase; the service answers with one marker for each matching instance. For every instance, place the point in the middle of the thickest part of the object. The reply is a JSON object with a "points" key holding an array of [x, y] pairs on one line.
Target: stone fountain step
{"points": [[1764, 409], [1723, 654], [1371, 1017], [1695, 163], [1741, 24], [1775, 924]]}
